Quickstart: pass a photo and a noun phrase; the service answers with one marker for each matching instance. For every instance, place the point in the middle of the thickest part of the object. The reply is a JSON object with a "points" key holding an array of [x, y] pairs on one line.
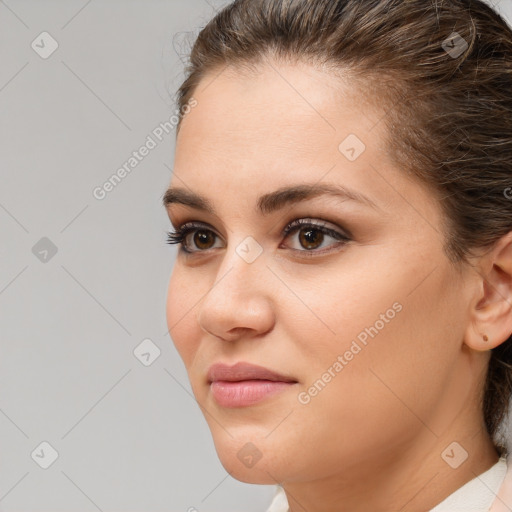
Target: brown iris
{"points": [[310, 238], [202, 239]]}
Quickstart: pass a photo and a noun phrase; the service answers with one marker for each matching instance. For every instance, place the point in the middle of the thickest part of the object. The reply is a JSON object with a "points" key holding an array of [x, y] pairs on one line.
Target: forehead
{"points": [[250, 134], [276, 104], [279, 117]]}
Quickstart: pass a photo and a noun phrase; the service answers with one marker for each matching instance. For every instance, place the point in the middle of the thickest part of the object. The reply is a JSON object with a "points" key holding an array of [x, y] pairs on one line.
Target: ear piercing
{"points": [[485, 337]]}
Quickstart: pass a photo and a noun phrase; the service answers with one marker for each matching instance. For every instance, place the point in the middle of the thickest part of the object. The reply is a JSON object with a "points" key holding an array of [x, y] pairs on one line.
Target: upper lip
{"points": [[244, 371]]}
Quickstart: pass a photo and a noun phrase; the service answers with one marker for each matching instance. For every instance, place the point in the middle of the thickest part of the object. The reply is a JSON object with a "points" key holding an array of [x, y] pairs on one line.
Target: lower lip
{"points": [[245, 392]]}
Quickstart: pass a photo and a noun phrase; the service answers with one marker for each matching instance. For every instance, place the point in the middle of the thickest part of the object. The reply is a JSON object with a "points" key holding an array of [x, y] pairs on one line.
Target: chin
{"points": [[252, 462], [261, 473]]}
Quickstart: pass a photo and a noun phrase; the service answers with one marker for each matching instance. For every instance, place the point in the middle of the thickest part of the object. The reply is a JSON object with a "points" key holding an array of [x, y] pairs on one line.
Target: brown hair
{"points": [[448, 101]]}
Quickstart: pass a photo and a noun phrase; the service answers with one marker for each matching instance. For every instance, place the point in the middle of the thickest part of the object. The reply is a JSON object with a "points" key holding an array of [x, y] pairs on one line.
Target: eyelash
{"points": [[181, 232]]}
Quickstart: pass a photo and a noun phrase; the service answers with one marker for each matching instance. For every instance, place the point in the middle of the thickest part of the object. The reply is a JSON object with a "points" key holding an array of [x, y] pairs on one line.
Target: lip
{"points": [[244, 371], [245, 384]]}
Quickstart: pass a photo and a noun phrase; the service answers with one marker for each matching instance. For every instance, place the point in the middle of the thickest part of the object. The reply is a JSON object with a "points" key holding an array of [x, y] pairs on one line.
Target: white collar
{"points": [[477, 495]]}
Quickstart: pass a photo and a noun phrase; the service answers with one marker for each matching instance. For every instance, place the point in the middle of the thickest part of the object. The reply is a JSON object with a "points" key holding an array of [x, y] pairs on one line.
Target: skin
{"points": [[372, 439]]}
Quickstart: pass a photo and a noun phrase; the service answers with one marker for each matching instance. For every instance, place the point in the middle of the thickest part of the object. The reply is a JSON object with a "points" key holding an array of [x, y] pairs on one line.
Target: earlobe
{"points": [[491, 313]]}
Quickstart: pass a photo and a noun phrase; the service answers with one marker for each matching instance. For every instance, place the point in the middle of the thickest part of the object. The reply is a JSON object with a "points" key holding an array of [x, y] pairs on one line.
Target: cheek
{"points": [[181, 316], [397, 347]]}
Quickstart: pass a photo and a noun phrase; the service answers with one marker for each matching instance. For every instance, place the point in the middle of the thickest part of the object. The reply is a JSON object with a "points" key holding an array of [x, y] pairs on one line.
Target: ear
{"points": [[491, 311]]}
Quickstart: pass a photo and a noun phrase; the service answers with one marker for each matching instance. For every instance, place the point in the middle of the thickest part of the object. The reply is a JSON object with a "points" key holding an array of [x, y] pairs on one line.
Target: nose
{"points": [[239, 303]]}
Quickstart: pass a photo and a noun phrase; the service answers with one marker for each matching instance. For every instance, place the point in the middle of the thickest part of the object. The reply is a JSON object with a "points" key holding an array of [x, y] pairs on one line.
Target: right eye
{"points": [[190, 234]]}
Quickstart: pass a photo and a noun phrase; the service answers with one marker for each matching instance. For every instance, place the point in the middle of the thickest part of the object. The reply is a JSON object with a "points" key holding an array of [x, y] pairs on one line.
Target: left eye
{"points": [[312, 236]]}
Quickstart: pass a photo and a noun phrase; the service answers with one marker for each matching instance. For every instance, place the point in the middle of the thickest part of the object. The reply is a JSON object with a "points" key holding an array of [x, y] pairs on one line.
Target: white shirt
{"points": [[477, 495]]}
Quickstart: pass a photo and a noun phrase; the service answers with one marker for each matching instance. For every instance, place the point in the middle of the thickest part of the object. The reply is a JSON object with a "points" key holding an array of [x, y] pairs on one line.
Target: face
{"points": [[345, 294]]}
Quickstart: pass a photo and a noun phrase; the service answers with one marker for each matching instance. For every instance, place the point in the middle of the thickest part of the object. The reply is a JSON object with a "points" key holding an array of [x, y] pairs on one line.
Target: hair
{"points": [[448, 115]]}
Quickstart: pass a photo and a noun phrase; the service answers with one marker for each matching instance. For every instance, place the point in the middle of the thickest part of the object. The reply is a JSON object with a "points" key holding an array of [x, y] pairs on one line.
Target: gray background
{"points": [[129, 437]]}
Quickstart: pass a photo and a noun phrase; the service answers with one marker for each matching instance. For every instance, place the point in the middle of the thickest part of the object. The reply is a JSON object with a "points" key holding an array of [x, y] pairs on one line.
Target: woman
{"points": [[342, 294]]}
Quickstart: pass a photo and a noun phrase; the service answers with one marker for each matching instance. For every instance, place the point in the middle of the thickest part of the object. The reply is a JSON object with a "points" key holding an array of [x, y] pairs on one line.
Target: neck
{"points": [[414, 478]]}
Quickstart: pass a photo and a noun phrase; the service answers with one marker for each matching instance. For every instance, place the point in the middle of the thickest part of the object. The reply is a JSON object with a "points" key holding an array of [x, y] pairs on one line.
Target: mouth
{"points": [[245, 384]]}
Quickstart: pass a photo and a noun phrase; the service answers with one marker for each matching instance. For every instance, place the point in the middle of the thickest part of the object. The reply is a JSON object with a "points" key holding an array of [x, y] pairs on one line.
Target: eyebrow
{"points": [[273, 201]]}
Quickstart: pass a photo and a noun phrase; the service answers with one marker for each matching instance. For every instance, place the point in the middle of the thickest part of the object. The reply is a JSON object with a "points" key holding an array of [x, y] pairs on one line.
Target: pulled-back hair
{"points": [[441, 70]]}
